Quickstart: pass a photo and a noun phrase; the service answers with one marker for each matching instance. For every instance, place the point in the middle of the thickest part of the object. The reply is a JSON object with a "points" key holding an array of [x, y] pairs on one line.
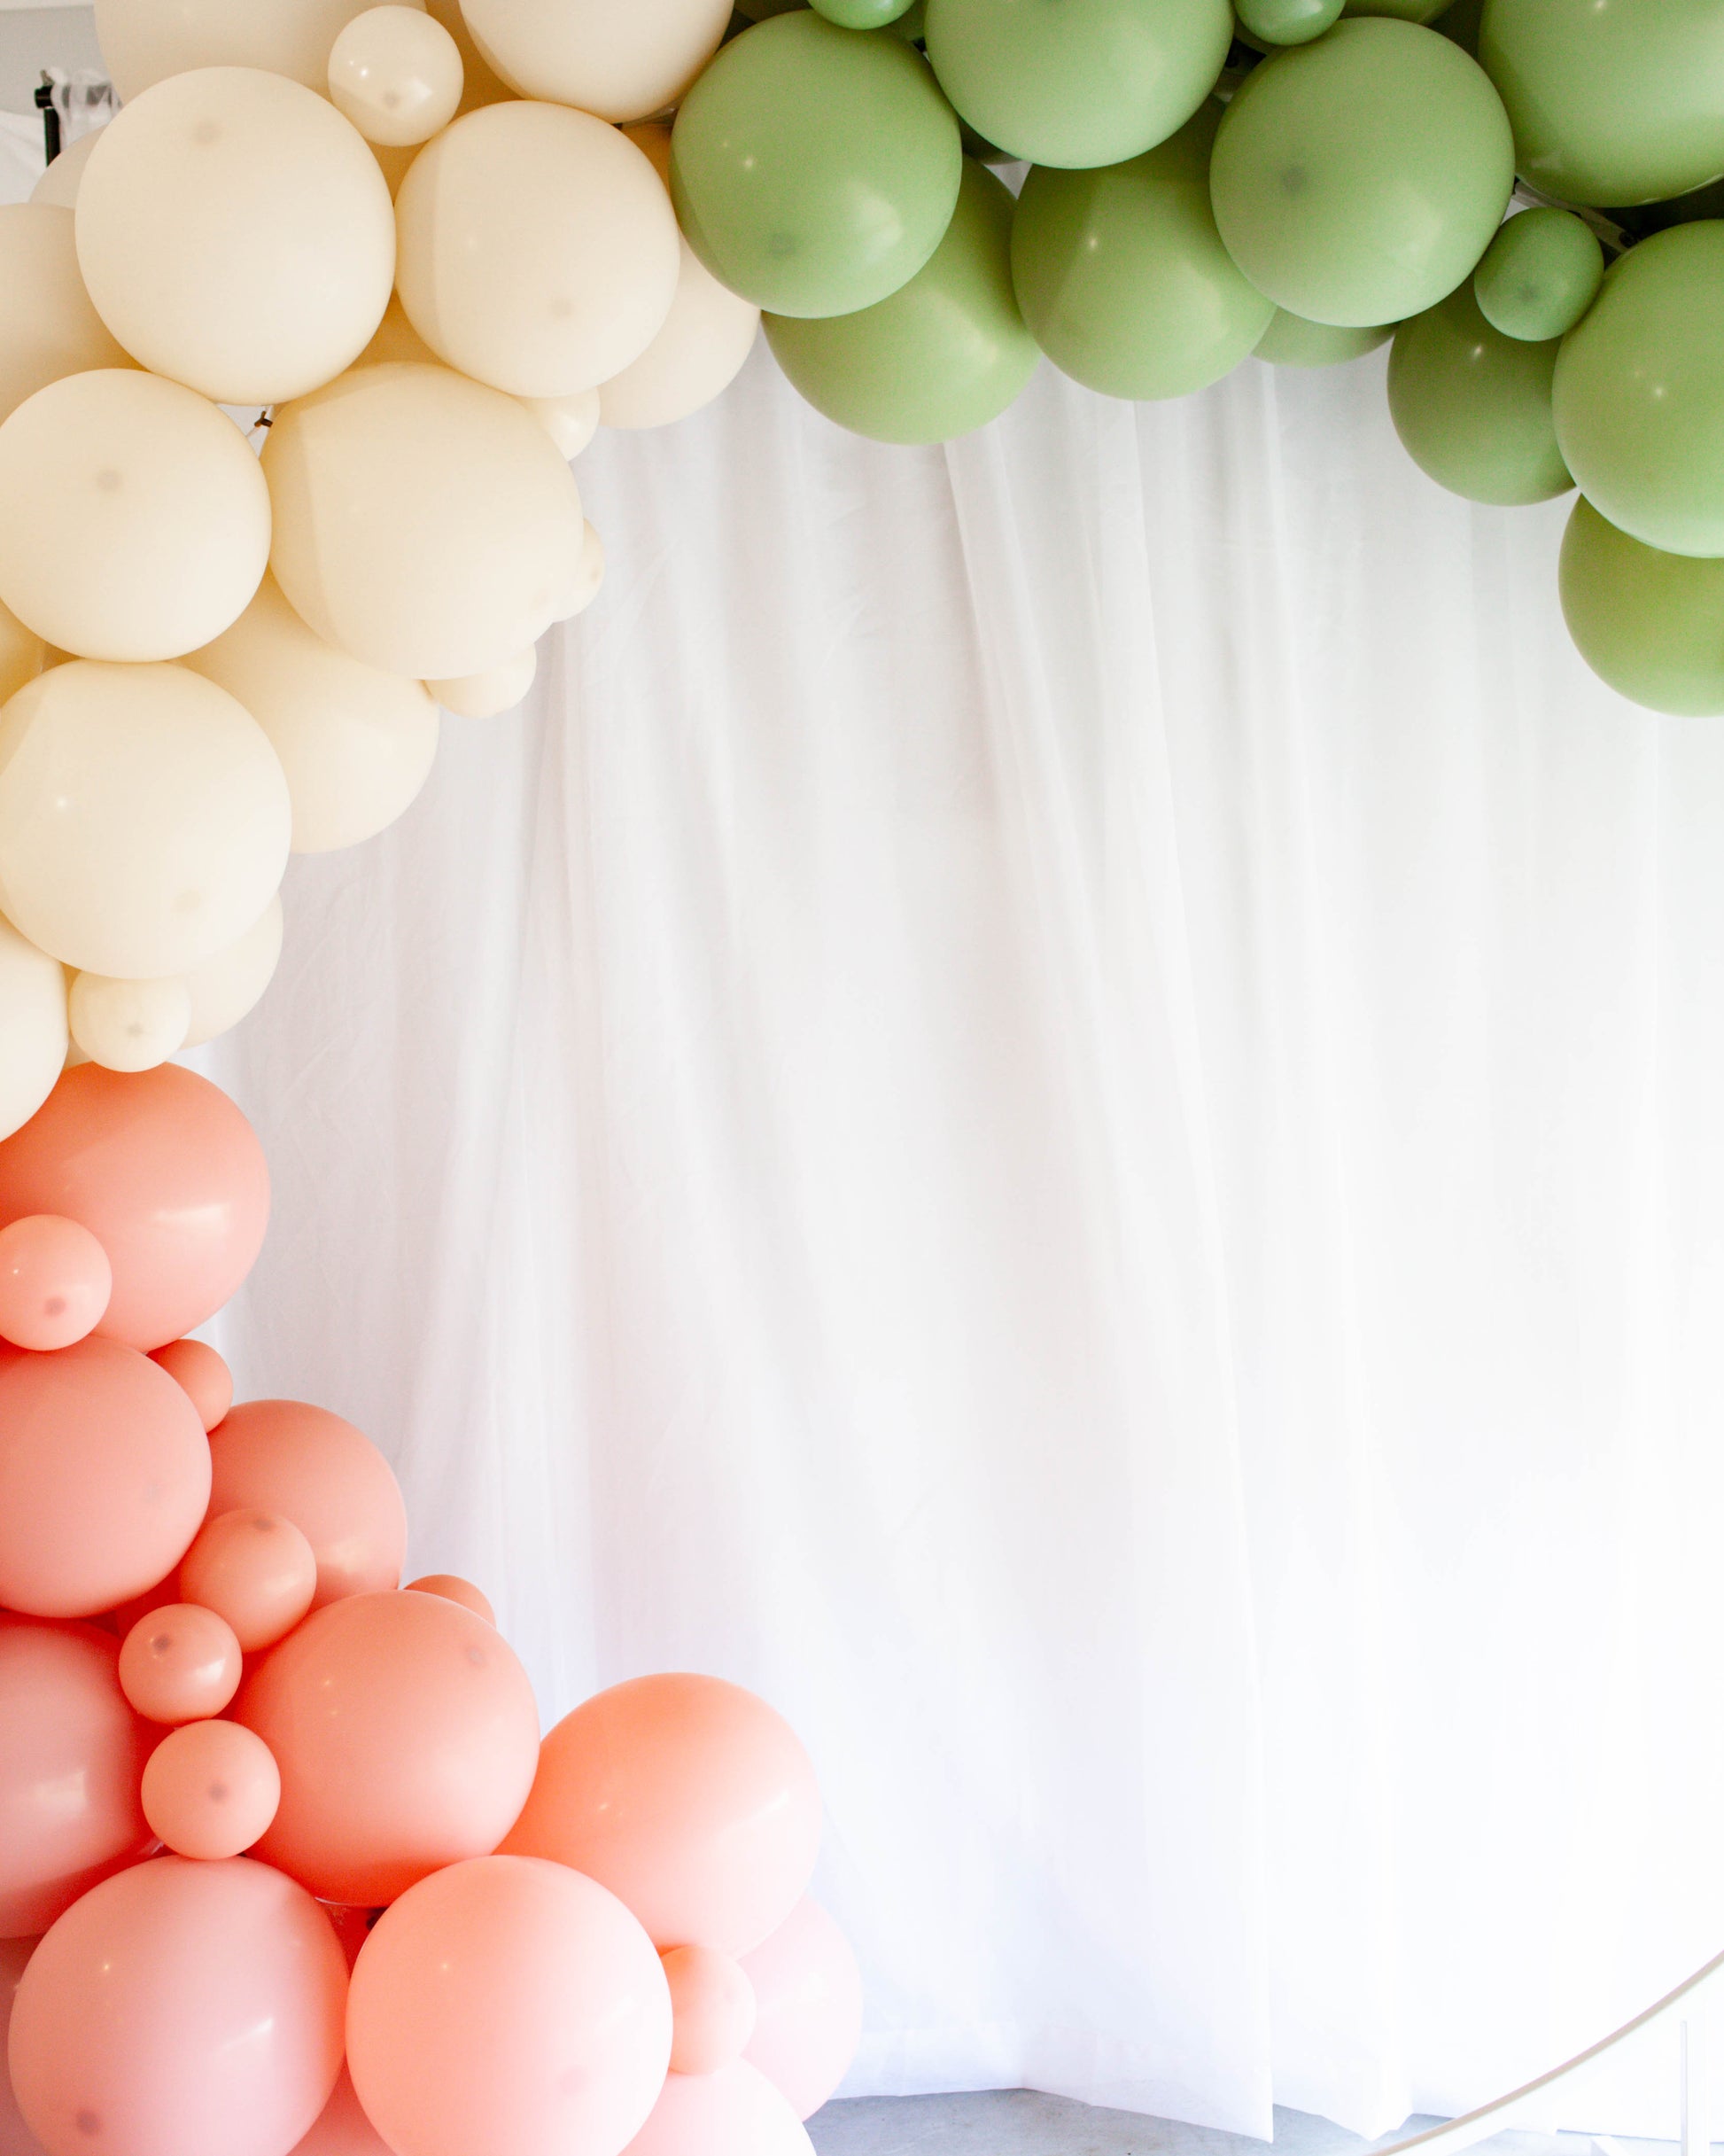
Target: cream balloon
{"points": [[480, 85], [395, 72], [147, 41], [622, 63], [48, 327], [537, 250], [22, 654], [488, 694], [237, 233], [584, 587], [226, 987], [58, 183], [356, 744], [34, 1038], [397, 340], [423, 522], [128, 1025], [134, 519], [144, 818], [571, 422]]}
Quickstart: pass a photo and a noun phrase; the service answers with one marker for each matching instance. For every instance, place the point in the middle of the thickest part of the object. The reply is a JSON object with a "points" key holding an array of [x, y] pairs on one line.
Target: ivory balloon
{"points": [[201, 1374], [22, 653], [571, 422], [55, 1282], [145, 41], [255, 1570], [210, 1790], [395, 72], [128, 1025], [49, 329], [237, 233], [34, 1034], [808, 1999], [622, 63], [58, 183], [288, 1457], [486, 696], [180, 1663], [224, 988]]}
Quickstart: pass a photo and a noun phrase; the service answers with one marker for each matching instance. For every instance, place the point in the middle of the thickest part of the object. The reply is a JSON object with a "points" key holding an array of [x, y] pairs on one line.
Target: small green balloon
{"points": [[1473, 407], [1403, 11], [1122, 277], [1078, 82], [1287, 22], [861, 14], [1649, 624], [1640, 392], [1292, 341], [1540, 274], [814, 171]]}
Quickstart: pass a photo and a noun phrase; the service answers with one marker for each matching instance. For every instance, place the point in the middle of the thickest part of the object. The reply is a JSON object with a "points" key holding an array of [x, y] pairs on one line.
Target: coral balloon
{"points": [[1540, 274], [1649, 624], [145, 41], [255, 1569], [453, 1589], [16, 2139], [180, 1663], [502, 2005], [226, 986], [55, 1282], [49, 330], [736, 2111], [808, 1998], [128, 1025], [288, 1457], [1473, 407], [182, 2009], [210, 1790], [488, 694], [201, 1374], [620, 63], [395, 72], [343, 2128], [713, 2007], [33, 1034]]}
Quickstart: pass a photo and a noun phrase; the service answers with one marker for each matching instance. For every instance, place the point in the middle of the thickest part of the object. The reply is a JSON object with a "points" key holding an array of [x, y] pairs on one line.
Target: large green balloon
{"points": [[1122, 277], [1358, 180], [814, 169], [1649, 624], [1473, 407], [1540, 274], [1640, 392], [944, 355], [1612, 101], [1285, 22], [1078, 82], [1292, 341], [1460, 21]]}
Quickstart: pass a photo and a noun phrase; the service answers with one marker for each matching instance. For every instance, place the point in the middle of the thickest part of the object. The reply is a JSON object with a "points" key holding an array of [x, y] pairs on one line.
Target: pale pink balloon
{"points": [[71, 1753], [104, 1474], [180, 1663], [406, 1734], [342, 2130], [256, 1569], [692, 1800], [182, 2009], [55, 1282], [288, 1457], [453, 1588], [166, 1174], [211, 1790], [808, 1991], [505, 2006], [735, 2112], [16, 2139], [713, 2006], [195, 1368]]}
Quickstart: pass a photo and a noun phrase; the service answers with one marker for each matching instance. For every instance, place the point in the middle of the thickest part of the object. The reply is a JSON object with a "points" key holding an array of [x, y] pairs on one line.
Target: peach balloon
{"points": [[210, 1790], [180, 1663], [342, 2128], [735, 2112], [55, 1282], [69, 1768], [808, 1992], [201, 1374], [288, 1457], [256, 1569], [182, 2009], [16, 2139], [712, 2003], [502, 2005], [692, 1800], [454, 1588], [406, 1734]]}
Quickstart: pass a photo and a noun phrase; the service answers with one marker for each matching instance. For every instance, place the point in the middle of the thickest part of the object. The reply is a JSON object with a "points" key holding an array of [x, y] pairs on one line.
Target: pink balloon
{"points": [[180, 1663], [453, 1588], [735, 2113], [712, 2008], [406, 1734], [255, 1569], [200, 1373], [105, 1473], [55, 1282], [71, 1753], [808, 1993], [16, 2139], [690, 1798], [287, 1456], [211, 1790], [168, 1175], [342, 2130], [504, 2006], [181, 2010]]}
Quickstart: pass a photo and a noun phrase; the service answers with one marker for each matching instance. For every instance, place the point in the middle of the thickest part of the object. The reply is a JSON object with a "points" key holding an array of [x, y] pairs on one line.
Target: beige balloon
{"points": [[237, 233], [128, 1025], [571, 422], [33, 1028], [356, 744], [144, 818], [226, 988], [48, 327], [621, 62], [23, 654], [487, 695], [423, 522], [59, 185], [134, 519], [144, 41], [395, 72], [479, 84], [584, 587], [537, 250]]}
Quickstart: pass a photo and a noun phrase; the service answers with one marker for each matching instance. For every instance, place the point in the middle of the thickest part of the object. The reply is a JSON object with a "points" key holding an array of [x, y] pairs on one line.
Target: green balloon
{"points": [[1649, 624], [1078, 82], [861, 14], [1359, 179], [1286, 22], [1613, 101], [1540, 274], [813, 170], [914, 22], [1460, 22], [1640, 392], [1473, 407], [1292, 341], [1122, 277], [1404, 11], [757, 11]]}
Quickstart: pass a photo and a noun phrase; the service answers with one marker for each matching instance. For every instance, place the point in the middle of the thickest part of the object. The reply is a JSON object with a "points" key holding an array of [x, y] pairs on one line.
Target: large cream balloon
{"points": [[537, 250], [423, 522], [144, 818], [128, 1025], [487, 695], [356, 744], [237, 233], [481, 84], [23, 654], [33, 1028], [622, 62], [58, 183], [224, 988], [147, 41], [48, 327], [395, 72], [134, 519]]}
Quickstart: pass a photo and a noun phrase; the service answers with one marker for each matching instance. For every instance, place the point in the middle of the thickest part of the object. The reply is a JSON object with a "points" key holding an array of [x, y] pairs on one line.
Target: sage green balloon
{"points": [[1460, 22], [1359, 179], [944, 355], [1078, 82], [1649, 624], [1473, 407], [814, 170], [1122, 277], [1292, 341], [1614, 101], [1540, 274], [861, 14], [1403, 11], [1286, 22], [1640, 392]]}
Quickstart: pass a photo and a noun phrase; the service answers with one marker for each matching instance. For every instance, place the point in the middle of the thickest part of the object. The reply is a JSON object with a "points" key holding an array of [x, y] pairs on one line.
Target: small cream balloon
{"points": [[128, 1025], [588, 577], [22, 654], [34, 1037], [59, 185], [487, 695], [48, 327], [621, 62], [226, 988], [571, 422], [144, 41], [395, 71]]}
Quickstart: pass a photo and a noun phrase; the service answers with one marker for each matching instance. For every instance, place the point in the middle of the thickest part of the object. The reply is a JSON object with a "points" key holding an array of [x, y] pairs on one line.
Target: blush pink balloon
{"points": [[808, 1993], [180, 2009], [211, 1790], [406, 1734], [288, 1457], [166, 1174], [16, 2139], [342, 2130], [502, 2005], [200, 1373], [255, 1569], [712, 2008], [71, 1753], [105, 1473], [689, 1798], [180, 1663], [55, 1282], [736, 2111], [453, 1588]]}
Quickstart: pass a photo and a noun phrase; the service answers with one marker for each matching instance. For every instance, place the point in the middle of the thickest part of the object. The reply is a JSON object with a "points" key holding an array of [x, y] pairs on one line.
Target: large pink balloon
{"points": [[55, 1282], [735, 2113], [71, 1754], [162, 1168], [690, 1798], [105, 1473], [505, 2006], [406, 1734], [343, 2128], [808, 2000], [16, 2139], [182, 2009], [288, 1457]]}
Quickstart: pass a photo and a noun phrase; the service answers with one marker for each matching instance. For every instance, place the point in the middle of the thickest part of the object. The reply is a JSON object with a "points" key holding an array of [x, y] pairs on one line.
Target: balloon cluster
{"points": [[284, 1863]]}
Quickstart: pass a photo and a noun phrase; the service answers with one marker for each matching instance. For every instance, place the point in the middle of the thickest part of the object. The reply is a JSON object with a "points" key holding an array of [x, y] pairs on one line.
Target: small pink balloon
{"points": [[288, 1457], [453, 1588], [255, 1569], [505, 2005], [211, 1790], [200, 1373], [342, 2130], [55, 1282], [180, 2009], [808, 1991], [735, 2112], [713, 2003], [16, 2139], [180, 1663]]}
